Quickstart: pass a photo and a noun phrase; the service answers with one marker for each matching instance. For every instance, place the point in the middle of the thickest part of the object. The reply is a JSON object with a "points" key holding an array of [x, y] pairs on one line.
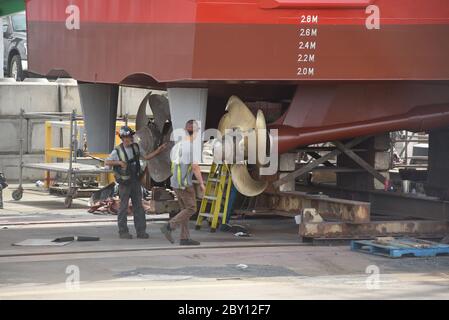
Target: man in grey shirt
{"points": [[125, 159], [183, 168]]}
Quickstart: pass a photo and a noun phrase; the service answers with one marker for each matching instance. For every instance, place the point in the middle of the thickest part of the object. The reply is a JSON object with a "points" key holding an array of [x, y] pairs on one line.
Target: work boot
{"points": [[189, 242], [126, 236], [166, 230], [143, 236]]}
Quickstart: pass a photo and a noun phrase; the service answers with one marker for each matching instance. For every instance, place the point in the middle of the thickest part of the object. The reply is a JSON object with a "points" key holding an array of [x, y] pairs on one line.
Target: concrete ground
{"points": [[271, 264]]}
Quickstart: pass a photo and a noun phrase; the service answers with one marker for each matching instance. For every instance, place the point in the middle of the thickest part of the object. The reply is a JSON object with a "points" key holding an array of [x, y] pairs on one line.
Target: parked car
{"points": [[15, 45]]}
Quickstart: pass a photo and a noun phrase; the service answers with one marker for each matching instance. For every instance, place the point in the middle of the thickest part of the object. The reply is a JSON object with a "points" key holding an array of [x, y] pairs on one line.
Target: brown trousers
{"points": [[187, 202]]}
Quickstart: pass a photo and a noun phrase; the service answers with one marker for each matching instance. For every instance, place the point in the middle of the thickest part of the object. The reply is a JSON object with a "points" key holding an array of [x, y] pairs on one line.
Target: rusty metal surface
{"points": [[405, 206], [328, 208], [162, 207], [335, 230]]}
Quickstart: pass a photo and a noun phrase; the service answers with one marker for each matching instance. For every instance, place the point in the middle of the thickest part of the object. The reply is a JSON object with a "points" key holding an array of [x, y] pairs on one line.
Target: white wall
{"points": [[187, 104], [61, 95], [130, 99]]}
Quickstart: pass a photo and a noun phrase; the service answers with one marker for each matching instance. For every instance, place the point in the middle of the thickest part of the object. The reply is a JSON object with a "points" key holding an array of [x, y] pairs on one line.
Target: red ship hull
{"points": [[264, 50], [205, 40]]}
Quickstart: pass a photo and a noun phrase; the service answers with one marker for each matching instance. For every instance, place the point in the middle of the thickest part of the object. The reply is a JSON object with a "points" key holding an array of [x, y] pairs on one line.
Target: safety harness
{"points": [[125, 175], [176, 169]]}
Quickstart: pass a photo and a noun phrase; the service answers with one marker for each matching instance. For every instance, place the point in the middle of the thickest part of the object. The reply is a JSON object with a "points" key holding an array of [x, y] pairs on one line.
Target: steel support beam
{"points": [[317, 156], [99, 104], [357, 159], [404, 206], [342, 230], [312, 165], [329, 208], [409, 206]]}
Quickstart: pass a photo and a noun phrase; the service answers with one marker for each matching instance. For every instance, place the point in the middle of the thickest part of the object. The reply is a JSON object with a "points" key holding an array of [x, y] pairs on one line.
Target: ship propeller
{"points": [[238, 119], [154, 132]]}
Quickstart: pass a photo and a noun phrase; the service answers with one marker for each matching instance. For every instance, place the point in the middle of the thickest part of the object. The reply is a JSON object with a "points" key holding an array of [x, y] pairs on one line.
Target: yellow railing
{"points": [[52, 152]]}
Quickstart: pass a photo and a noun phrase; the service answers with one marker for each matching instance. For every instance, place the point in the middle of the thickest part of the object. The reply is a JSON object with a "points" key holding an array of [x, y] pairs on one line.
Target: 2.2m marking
{"points": [[306, 57]]}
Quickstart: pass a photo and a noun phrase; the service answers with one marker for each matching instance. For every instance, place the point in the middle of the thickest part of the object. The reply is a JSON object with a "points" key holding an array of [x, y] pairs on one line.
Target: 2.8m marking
{"points": [[309, 18]]}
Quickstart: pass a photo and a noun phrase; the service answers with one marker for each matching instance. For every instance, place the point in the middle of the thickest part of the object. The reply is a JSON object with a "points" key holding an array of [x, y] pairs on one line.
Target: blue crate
{"points": [[400, 247]]}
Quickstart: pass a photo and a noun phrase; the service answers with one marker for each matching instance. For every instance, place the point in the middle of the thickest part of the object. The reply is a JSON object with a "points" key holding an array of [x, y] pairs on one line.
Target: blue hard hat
{"points": [[126, 131]]}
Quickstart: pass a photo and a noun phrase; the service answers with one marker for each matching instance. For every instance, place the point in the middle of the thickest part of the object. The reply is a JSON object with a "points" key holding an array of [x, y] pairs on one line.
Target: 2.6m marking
{"points": [[308, 32]]}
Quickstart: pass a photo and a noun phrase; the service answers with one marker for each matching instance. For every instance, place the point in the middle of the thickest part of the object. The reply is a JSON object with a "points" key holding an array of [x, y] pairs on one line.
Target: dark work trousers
{"points": [[133, 190]]}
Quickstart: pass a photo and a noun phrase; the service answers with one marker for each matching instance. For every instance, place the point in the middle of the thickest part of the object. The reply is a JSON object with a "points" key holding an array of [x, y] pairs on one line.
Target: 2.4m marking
{"points": [[307, 45]]}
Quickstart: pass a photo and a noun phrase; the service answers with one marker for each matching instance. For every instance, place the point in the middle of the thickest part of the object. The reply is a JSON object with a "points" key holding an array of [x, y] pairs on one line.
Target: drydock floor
{"points": [[271, 264]]}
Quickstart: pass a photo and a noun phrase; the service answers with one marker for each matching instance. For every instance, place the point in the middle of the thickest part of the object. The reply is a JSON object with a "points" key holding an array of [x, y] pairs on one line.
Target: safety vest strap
{"points": [[176, 168], [136, 151], [123, 174]]}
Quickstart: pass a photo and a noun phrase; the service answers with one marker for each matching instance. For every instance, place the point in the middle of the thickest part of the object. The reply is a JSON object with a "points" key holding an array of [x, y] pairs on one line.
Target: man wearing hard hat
{"points": [[125, 159]]}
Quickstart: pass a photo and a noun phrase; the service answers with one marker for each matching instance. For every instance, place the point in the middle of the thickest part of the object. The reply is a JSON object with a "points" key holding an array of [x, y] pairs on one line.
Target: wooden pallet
{"points": [[400, 247]]}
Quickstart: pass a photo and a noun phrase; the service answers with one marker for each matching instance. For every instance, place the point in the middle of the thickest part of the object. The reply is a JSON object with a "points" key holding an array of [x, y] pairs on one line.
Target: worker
{"points": [[3, 185], [125, 159], [184, 166]]}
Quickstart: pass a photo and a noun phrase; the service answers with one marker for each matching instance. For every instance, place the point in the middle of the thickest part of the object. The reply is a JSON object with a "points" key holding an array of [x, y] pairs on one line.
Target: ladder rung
{"points": [[210, 198], [213, 180], [209, 215]]}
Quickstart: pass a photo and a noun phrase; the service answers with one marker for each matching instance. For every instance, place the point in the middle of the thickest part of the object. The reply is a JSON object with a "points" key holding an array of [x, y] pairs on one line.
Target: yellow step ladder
{"points": [[215, 200]]}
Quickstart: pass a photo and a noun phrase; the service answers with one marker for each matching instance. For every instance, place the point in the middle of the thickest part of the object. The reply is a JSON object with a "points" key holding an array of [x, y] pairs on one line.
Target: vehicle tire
{"points": [[17, 195], [15, 68]]}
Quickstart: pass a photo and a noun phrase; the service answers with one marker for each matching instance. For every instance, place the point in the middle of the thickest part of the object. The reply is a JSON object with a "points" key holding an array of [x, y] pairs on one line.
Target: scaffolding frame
{"points": [[408, 138], [72, 170]]}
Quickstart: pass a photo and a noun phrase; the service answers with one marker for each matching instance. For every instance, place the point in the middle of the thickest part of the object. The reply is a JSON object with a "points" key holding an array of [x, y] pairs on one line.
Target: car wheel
{"points": [[15, 68]]}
